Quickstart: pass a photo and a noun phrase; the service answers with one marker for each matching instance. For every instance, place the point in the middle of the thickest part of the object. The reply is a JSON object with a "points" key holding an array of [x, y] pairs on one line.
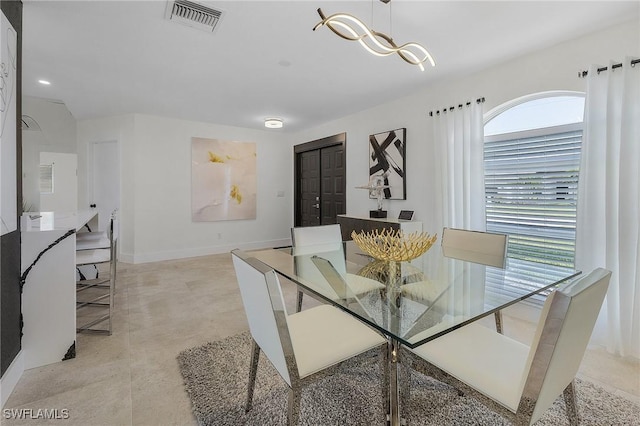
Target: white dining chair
{"points": [[509, 377], [304, 346], [326, 240], [486, 248]]}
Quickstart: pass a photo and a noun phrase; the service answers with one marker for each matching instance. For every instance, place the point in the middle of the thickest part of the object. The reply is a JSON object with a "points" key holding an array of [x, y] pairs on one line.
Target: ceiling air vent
{"points": [[196, 15]]}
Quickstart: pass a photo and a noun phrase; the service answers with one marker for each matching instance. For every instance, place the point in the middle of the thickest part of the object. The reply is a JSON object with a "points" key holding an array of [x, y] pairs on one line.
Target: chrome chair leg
{"points": [[498, 317], [383, 360], [571, 404], [293, 412], [299, 303], [253, 369], [404, 379]]}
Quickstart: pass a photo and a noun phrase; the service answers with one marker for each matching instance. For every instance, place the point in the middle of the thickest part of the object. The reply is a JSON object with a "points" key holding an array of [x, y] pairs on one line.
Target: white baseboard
{"points": [[200, 251], [11, 377]]}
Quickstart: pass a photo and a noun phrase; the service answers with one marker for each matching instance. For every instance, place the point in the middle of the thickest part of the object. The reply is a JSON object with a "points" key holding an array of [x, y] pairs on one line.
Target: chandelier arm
{"points": [[372, 36], [321, 23], [410, 57], [362, 39], [386, 38]]}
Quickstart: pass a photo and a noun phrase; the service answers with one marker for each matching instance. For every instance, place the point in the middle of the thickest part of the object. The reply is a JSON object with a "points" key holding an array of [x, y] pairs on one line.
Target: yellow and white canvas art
{"points": [[223, 180]]}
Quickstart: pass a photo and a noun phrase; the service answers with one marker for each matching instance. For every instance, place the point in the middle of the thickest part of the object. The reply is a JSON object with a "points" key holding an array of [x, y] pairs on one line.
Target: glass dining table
{"points": [[412, 303]]}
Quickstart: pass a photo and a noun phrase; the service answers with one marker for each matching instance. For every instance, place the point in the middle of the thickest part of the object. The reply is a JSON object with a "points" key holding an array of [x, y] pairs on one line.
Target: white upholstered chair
{"points": [[517, 381], [486, 248], [478, 247], [303, 346], [327, 240]]}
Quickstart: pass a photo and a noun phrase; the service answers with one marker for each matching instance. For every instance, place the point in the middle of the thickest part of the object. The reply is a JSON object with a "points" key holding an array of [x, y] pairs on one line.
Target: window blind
{"points": [[46, 178], [498, 280], [531, 185]]}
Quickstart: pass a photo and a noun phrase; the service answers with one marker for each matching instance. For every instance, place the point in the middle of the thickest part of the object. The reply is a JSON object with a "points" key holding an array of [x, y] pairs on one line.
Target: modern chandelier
{"points": [[351, 28]]}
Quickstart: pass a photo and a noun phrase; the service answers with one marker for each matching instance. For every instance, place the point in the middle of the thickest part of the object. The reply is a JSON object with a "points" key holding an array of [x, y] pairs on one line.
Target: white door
{"points": [[104, 179], [58, 182]]}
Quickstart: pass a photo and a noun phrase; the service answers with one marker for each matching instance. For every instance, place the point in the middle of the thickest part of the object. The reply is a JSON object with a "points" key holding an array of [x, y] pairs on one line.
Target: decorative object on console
{"points": [[393, 245], [223, 180], [377, 214], [405, 215], [387, 153], [351, 28], [376, 189]]}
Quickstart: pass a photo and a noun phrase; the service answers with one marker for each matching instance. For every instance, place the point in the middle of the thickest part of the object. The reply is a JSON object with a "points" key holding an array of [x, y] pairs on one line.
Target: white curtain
{"points": [[459, 150], [459, 141], [609, 201]]}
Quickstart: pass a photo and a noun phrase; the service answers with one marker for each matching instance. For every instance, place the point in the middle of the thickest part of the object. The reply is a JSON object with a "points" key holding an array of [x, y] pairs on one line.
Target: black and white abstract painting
{"points": [[387, 154]]}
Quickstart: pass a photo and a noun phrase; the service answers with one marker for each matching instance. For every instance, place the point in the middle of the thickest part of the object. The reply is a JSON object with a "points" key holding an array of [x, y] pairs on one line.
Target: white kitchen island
{"points": [[49, 288]]}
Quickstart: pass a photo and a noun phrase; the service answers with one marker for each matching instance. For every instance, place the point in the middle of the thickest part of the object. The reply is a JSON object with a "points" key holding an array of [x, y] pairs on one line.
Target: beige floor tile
{"points": [[100, 402]]}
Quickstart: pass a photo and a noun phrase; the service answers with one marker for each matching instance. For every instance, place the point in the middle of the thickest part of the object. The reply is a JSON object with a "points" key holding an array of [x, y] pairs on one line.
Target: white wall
{"points": [[118, 128], [554, 68], [156, 187], [57, 134]]}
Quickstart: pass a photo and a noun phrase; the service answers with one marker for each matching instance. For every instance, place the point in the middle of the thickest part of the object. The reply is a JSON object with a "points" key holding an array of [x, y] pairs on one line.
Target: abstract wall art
{"points": [[8, 150], [223, 180], [387, 154]]}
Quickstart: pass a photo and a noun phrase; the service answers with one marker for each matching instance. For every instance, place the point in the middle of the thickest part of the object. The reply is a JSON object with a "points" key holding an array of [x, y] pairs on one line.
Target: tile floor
{"points": [[132, 377]]}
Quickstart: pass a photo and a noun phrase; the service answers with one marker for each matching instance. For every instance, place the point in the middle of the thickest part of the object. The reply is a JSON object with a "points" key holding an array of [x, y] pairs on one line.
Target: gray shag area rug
{"points": [[216, 376]]}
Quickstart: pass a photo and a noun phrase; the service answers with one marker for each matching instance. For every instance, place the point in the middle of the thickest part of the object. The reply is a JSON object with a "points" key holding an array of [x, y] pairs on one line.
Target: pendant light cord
{"points": [[390, 22]]}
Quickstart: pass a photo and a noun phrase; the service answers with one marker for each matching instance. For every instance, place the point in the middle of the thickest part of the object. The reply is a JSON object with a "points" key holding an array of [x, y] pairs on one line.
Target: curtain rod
{"points": [[582, 74], [444, 110]]}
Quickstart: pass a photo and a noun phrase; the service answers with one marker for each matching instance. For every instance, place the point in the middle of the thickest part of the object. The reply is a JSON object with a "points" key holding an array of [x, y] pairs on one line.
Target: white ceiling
{"points": [[116, 57]]}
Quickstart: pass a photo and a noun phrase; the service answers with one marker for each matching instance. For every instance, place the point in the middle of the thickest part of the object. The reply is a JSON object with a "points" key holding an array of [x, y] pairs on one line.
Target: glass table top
{"points": [[417, 301]]}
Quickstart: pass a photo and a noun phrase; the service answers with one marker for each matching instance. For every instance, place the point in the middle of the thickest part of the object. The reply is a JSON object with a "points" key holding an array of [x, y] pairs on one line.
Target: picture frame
{"points": [[223, 180], [387, 158], [405, 215]]}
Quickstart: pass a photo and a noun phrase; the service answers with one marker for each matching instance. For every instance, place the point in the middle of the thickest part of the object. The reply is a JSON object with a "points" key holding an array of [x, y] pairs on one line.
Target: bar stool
{"points": [[98, 292]]}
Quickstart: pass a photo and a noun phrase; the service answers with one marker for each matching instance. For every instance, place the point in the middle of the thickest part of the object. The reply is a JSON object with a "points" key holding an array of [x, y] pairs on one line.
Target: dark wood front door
{"points": [[310, 188], [320, 181], [332, 187]]}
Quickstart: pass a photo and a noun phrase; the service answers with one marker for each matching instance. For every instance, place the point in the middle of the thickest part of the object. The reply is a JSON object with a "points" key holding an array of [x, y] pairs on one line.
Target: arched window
{"points": [[531, 161]]}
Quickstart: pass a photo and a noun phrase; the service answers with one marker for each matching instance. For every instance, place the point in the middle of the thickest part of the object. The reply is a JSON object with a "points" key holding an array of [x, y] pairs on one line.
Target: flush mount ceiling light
{"points": [[273, 123], [351, 28]]}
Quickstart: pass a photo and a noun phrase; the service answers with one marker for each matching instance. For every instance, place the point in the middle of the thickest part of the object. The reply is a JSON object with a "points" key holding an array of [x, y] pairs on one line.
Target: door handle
{"points": [[317, 206]]}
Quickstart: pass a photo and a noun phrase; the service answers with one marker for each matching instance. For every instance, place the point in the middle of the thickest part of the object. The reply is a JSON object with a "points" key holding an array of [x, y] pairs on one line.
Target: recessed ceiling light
{"points": [[273, 123], [45, 82]]}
